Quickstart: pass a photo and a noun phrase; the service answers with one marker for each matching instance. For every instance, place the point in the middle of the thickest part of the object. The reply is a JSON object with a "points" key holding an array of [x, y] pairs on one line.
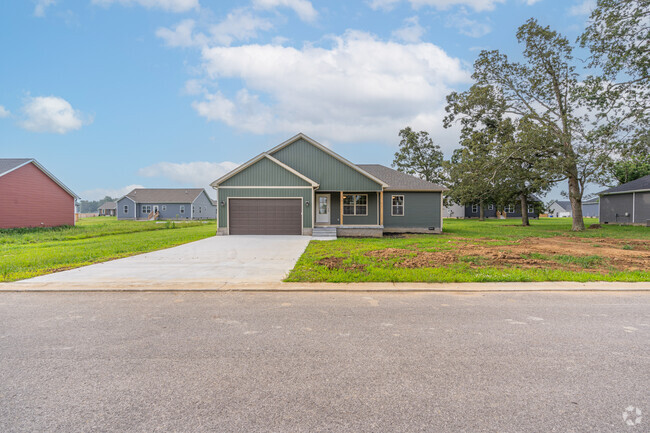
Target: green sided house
{"points": [[301, 187]]}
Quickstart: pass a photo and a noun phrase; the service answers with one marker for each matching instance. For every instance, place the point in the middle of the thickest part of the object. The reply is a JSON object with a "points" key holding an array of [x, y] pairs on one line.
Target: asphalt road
{"points": [[308, 362]]}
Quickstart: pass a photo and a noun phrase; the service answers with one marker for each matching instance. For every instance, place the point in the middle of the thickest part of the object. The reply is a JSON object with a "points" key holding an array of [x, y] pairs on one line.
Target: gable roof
{"points": [[256, 159], [398, 181], [109, 205], [564, 204], [640, 184], [594, 200], [7, 165], [164, 195], [319, 146]]}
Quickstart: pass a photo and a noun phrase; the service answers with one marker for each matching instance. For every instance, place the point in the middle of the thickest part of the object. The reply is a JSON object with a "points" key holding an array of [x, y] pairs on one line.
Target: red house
{"points": [[30, 196]]}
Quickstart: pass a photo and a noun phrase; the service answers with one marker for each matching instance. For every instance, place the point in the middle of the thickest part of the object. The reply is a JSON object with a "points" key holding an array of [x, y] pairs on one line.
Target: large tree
{"points": [[419, 156], [546, 90], [629, 169]]}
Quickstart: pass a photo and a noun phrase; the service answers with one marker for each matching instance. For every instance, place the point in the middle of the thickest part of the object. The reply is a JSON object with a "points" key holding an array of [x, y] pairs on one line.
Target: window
{"points": [[509, 208], [164, 208], [397, 208], [355, 204], [474, 208], [182, 209], [193, 209], [146, 208], [200, 208], [126, 209], [531, 208], [490, 207]]}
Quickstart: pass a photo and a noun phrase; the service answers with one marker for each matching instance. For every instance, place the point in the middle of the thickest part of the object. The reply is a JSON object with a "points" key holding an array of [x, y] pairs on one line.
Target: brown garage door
{"points": [[272, 216]]}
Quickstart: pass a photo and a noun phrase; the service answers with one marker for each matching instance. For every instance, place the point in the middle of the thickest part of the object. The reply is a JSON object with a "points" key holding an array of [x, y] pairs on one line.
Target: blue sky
{"points": [[112, 94]]}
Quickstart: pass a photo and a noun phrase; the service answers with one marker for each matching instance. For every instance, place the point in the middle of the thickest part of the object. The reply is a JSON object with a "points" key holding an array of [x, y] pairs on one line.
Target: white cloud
{"points": [[4, 112], [467, 26], [412, 31], [477, 5], [303, 8], [166, 5], [99, 193], [239, 25], [41, 5], [583, 8], [359, 89], [51, 114], [197, 174]]}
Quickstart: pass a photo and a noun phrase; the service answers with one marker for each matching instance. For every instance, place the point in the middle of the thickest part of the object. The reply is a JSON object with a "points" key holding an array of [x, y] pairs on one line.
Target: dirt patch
{"points": [[337, 263], [575, 254], [595, 226]]}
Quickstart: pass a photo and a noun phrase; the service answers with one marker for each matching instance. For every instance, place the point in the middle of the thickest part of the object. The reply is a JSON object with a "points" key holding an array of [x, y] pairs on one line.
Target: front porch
{"points": [[352, 214]]}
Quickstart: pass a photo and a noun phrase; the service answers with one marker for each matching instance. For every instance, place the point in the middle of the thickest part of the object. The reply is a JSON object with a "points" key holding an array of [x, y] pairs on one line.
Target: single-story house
{"points": [[453, 210], [512, 210], [560, 209], [626, 204], [107, 209], [591, 208], [301, 185], [30, 196], [166, 204]]}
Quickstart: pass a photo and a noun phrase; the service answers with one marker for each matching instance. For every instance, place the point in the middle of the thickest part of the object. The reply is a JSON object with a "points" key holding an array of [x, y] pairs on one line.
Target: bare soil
{"points": [[337, 263], [479, 253]]}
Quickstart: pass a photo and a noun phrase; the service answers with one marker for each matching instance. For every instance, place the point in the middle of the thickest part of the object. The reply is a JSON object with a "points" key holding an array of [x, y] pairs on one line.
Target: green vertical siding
{"points": [[305, 193], [421, 210], [265, 173], [329, 172]]}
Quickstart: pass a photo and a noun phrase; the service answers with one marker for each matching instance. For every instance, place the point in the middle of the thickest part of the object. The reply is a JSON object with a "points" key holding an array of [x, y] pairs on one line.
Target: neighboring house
{"points": [[166, 204], [627, 204], [560, 209], [453, 210], [591, 208], [107, 209], [30, 196], [300, 184], [512, 210]]}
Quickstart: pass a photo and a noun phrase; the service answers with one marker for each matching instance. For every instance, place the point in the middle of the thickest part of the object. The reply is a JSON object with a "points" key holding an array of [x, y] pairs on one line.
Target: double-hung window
{"points": [[182, 209], [126, 208], [475, 208], [490, 207], [397, 205], [355, 204], [510, 208], [164, 208], [531, 208], [146, 208]]}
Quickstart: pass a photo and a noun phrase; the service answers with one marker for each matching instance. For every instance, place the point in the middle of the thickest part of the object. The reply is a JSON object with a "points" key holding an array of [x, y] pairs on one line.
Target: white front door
{"points": [[323, 208]]}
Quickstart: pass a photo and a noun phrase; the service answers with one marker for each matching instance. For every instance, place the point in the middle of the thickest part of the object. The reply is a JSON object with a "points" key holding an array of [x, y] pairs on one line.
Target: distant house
{"points": [[453, 210], [30, 196], [560, 209], [626, 204], [166, 204], [591, 208], [512, 210], [107, 209]]}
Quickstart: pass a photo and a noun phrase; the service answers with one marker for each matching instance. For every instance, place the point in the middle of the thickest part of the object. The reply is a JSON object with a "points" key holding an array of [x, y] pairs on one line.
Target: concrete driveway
{"points": [[209, 262]]}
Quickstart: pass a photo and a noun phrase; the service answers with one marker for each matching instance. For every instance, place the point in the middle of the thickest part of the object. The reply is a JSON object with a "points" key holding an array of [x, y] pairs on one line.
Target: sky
{"points": [[114, 94]]}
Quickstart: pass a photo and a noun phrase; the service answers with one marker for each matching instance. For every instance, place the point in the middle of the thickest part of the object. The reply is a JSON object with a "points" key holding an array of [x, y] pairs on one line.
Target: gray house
{"points": [[107, 209], [166, 204], [512, 210], [302, 187], [626, 204], [591, 208], [562, 208]]}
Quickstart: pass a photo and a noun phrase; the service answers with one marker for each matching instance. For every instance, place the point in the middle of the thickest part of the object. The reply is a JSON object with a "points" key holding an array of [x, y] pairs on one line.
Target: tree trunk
{"points": [[575, 196], [481, 211], [524, 210]]}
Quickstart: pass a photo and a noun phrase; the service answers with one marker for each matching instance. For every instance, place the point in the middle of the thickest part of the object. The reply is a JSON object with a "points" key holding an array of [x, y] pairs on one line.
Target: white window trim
{"points": [[126, 208], [490, 207], [510, 208], [355, 206], [475, 208], [530, 208], [403, 205], [163, 207], [181, 209]]}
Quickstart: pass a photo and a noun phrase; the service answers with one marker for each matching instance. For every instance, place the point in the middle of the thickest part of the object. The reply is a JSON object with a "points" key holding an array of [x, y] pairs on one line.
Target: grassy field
{"points": [[26, 253], [493, 250]]}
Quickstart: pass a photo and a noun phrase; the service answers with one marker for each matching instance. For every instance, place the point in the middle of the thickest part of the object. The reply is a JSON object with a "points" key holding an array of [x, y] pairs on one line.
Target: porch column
{"points": [[381, 208], [341, 208]]}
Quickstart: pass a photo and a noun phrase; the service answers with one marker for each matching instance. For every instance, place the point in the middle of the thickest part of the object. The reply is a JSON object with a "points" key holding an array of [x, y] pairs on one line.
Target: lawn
{"points": [[478, 251], [26, 253]]}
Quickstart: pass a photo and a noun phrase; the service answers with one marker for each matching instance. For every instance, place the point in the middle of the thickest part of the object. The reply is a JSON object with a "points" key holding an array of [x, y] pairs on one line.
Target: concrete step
{"points": [[324, 232]]}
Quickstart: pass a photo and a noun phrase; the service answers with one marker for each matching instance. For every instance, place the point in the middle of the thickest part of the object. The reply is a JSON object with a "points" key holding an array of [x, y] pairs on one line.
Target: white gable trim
{"points": [[259, 157], [329, 152]]}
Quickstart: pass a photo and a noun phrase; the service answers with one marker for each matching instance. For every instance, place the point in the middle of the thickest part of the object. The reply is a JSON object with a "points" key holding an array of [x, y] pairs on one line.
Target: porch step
{"points": [[324, 232]]}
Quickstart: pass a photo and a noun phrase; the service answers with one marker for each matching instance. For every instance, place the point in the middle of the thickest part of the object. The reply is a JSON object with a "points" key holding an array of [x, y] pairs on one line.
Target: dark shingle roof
{"points": [[109, 205], [398, 181], [164, 195], [8, 164], [640, 184], [564, 204], [594, 200]]}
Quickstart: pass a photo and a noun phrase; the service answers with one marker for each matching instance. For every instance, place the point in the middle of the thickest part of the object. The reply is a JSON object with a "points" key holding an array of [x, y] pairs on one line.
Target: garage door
{"points": [[276, 216]]}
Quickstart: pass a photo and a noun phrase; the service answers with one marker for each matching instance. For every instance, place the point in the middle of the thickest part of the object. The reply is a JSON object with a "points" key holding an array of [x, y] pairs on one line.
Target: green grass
{"points": [[26, 253], [358, 266]]}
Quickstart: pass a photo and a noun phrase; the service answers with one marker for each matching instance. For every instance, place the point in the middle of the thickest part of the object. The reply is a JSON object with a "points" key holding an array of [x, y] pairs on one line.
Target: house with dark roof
{"points": [[31, 196], [301, 187], [626, 204], [591, 208], [166, 204], [107, 209], [560, 209], [511, 210]]}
